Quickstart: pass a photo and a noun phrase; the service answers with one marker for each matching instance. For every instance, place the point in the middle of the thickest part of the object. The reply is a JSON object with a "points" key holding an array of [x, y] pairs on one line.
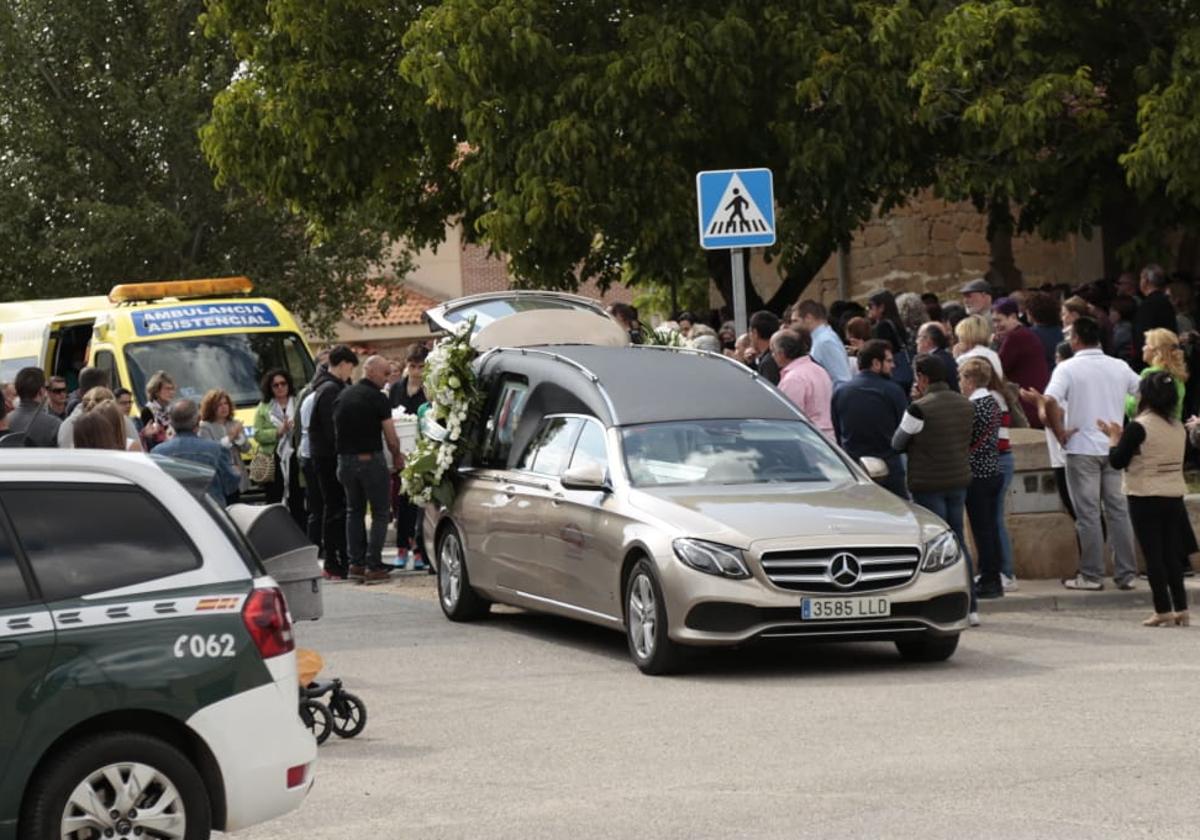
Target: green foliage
{"points": [[1033, 106], [566, 135], [101, 175]]}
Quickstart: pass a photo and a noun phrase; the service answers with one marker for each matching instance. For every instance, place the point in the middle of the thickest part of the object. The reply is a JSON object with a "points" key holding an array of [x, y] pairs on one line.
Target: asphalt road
{"points": [[1044, 725]]}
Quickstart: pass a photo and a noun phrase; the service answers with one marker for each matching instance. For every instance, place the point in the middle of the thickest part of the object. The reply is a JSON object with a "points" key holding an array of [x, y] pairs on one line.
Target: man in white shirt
{"points": [[827, 349], [1090, 387]]}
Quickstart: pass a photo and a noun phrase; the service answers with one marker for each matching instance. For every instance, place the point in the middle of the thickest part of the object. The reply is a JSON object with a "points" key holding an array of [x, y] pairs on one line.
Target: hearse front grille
{"points": [[808, 570]]}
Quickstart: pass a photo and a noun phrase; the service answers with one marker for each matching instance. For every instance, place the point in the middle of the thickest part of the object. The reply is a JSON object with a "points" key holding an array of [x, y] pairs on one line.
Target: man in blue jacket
{"points": [[186, 446], [867, 410]]}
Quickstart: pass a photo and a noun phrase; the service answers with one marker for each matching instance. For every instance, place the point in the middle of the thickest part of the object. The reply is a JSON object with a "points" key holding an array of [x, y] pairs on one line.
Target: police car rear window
{"points": [[81, 540]]}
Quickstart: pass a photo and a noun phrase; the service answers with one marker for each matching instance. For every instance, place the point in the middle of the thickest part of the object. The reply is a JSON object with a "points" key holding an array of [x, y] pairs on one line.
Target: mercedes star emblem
{"points": [[844, 570]]}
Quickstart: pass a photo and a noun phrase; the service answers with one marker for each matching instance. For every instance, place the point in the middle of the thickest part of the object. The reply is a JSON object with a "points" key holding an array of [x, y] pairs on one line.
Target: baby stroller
{"points": [[343, 714], [289, 557]]}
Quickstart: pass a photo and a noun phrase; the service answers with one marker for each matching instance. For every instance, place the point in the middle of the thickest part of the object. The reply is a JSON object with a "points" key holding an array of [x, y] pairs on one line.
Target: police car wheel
{"points": [[459, 601], [120, 784], [349, 714], [316, 717]]}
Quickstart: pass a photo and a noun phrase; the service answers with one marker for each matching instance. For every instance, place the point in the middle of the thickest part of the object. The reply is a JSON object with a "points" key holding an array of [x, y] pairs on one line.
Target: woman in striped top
{"points": [[983, 493]]}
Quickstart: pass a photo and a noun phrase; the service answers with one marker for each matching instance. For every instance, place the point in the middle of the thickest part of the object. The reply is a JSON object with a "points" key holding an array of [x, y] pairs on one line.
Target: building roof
{"points": [[407, 307]]}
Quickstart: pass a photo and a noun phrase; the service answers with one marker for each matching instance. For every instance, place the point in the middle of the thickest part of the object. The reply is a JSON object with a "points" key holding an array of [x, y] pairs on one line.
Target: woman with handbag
{"points": [[275, 419], [218, 423]]}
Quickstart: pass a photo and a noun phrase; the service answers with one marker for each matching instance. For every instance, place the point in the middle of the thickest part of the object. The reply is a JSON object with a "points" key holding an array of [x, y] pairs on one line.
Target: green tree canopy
{"points": [[567, 135], [101, 175], [1074, 112]]}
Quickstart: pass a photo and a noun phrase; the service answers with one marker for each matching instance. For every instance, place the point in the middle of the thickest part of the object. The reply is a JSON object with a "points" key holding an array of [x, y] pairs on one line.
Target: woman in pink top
{"points": [[801, 379]]}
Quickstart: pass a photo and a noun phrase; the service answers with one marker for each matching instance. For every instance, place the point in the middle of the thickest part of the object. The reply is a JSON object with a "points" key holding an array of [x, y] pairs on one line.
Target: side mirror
{"points": [[876, 468], [585, 477]]}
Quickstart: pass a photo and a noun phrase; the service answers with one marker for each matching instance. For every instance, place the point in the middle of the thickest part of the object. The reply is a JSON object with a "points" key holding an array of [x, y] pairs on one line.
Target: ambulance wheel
{"points": [[317, 718], [119, 784], [349, 714]]}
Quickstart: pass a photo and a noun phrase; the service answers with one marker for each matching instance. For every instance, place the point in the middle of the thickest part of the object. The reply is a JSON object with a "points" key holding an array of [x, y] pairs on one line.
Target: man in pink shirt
{"points": [[802, 380]]}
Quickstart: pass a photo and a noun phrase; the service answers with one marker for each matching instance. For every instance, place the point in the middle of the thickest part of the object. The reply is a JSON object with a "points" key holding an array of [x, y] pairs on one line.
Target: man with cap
{"points": [[977, 297], [1022, 354]]}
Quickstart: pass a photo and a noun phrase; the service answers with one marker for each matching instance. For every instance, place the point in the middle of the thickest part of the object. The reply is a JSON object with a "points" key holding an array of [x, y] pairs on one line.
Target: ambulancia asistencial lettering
{"points": [[208, 316]]}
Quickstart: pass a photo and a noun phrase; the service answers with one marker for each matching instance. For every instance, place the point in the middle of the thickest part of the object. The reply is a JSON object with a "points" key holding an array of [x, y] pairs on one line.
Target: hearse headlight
{"points": [[940, 552], [711, 558]]}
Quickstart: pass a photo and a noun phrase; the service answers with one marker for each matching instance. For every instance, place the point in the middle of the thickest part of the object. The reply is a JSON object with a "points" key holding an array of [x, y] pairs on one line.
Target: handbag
{"points": [[262, 468]]}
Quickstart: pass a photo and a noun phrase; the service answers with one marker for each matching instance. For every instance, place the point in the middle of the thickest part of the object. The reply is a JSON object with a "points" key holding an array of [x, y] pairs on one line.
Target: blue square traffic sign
{"points": [[736, 208]]}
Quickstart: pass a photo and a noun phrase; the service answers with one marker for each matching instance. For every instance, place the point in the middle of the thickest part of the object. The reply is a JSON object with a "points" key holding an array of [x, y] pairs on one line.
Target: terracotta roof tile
{"points": [[406, 308]]}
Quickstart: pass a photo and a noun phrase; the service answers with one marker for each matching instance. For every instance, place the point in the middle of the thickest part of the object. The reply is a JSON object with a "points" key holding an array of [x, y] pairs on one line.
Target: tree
{"points": [[101, 175], [567, 135], [1035, 110]]}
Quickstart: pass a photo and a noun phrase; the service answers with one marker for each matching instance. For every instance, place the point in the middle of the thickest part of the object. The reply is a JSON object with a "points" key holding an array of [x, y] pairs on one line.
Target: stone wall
{"points": [[930, 245]]}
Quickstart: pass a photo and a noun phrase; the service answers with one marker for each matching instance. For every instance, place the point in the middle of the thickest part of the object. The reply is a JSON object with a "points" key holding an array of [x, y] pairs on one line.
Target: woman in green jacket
{"points": [[1162, 352], [275, 421]]}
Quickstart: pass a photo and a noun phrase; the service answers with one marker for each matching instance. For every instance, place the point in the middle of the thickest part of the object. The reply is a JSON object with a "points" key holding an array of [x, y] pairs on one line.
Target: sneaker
{"points": [[1125, 584], [985, 593], [357, 572], [376, 576], [973, 619], [419, 564], [1009, 583], [1084, 583]]}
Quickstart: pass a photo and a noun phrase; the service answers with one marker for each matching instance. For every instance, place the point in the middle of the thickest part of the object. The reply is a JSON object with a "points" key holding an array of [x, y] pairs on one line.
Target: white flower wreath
{"points": [[454, 398]]}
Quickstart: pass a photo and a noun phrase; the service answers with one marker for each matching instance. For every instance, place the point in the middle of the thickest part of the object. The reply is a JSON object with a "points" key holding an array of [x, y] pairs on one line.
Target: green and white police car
{"points": [[147, 666]]}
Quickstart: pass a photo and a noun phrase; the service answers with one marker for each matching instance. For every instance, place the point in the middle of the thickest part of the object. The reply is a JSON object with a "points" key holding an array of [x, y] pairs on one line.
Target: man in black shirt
{"points": [[362, 418], [322, 444], [1155, 311], [763, 325]]}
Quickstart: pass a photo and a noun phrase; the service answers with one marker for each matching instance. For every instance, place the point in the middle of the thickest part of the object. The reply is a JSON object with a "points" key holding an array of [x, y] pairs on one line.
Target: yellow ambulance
{"points": [[204, 333]]}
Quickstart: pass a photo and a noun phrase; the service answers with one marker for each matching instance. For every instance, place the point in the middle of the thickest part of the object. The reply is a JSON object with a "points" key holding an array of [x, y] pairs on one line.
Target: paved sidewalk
{"points": [[1037, 595]]}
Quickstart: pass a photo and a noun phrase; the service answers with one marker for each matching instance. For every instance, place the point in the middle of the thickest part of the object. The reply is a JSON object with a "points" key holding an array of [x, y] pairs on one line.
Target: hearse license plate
{"points": [[824, 609]]}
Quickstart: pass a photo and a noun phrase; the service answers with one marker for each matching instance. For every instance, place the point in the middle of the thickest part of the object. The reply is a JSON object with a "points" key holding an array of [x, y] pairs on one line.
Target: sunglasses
{"points": [[57, 390], [279, 383]]}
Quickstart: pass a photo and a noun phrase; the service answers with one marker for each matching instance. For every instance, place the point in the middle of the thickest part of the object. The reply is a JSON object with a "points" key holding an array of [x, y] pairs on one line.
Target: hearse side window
{"points": [[502, 424], [13, 591], [112, 536], [550, 450], [590, 449]]}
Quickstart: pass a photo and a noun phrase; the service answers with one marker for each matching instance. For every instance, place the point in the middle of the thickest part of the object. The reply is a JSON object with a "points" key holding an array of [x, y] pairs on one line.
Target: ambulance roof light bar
{"points": [[209, 287]]}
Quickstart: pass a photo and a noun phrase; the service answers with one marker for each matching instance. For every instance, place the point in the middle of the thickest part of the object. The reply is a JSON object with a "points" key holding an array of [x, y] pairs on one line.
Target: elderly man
{"points": [[932, 341], [1154, 312], [977, 297], [187, 446], [362, 420], [801, 379]]}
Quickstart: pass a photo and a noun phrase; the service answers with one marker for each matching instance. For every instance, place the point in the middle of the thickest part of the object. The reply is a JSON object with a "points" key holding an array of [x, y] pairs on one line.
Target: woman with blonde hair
{"points": [[1162, 352], [218, 423], [974, 334]]}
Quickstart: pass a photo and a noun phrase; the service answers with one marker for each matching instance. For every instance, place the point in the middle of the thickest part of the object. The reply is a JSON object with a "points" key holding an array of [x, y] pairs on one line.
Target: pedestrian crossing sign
{"points": [[737, 208]]}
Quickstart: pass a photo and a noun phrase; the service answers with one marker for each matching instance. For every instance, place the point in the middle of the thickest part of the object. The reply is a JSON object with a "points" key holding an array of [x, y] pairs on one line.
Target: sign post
{"points": [[736, 209]]}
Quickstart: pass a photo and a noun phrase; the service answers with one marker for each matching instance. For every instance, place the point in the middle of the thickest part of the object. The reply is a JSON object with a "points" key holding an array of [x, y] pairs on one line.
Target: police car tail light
{"points": [[266, 618]]}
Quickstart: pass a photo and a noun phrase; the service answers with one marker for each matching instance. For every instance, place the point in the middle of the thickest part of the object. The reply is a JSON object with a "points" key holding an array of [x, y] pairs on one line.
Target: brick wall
{"points": [[484, 273]]}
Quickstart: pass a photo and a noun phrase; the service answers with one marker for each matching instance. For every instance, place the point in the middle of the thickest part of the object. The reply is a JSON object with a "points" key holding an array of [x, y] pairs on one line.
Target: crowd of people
{"points": [[933, 387]]}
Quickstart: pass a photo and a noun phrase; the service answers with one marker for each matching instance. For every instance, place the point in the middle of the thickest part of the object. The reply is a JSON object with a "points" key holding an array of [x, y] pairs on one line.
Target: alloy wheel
{"points": [[450, 571], [643, 616], [128, 799]]}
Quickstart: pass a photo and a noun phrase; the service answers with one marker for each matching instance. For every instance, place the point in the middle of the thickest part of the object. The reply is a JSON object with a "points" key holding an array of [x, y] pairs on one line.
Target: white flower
{"points": [[454, 382]]}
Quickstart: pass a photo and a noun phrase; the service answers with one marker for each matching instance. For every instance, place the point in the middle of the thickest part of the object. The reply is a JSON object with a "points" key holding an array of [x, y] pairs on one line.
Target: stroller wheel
{"points": [[317, 718], [349, 714]]}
